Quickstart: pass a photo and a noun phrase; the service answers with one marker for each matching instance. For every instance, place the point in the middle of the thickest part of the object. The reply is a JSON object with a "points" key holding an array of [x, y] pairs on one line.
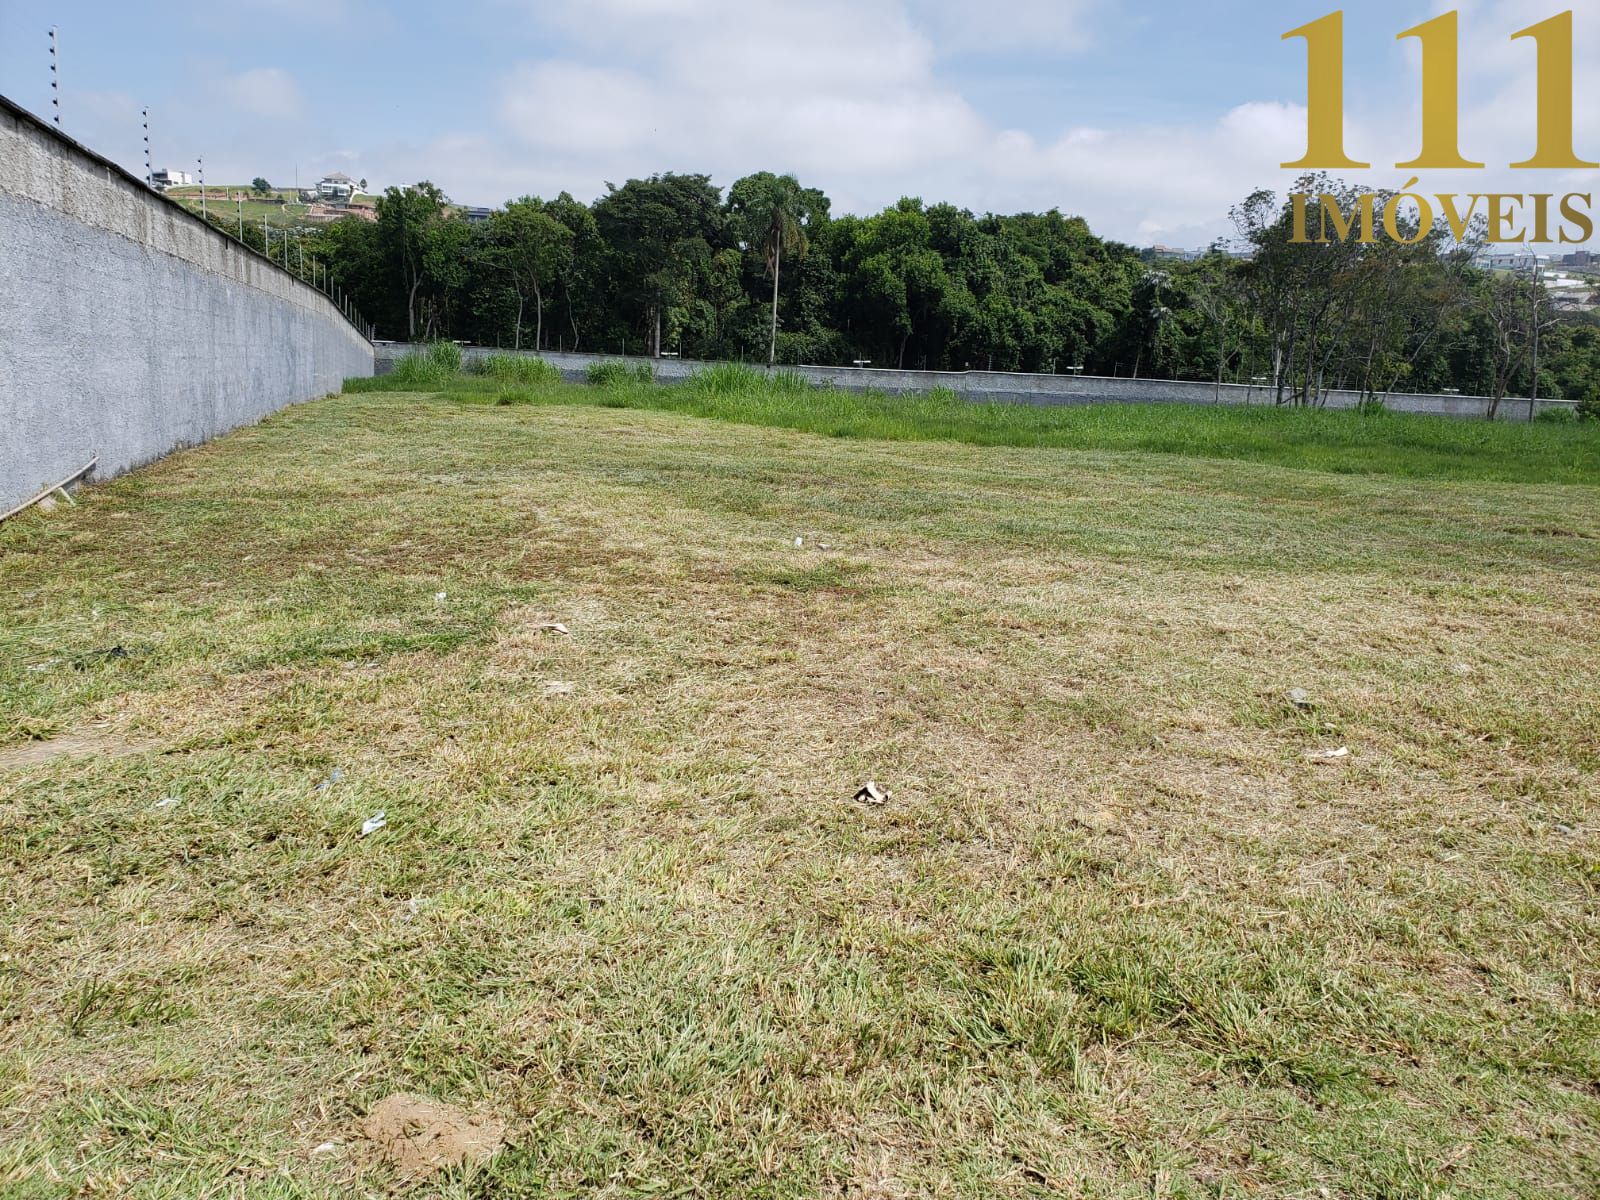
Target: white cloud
{"points": [[717, 83], [857, 98], [264, 92], [853, 99], [579, 109], [863, 99]]}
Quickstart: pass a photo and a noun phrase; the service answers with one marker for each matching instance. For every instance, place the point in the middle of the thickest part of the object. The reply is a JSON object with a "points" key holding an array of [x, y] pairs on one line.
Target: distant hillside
{"points": [[281, 208]]}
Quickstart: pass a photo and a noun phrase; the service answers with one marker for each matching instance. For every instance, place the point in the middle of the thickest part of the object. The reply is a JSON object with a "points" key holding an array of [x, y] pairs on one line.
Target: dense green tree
{"points": [[895, 286], [665, 262], [450, 251], [406, 215], [1574, 355], [582, 284], [655, 231], [773, 214], [1346, 311], [535, 251], [355, 260]]}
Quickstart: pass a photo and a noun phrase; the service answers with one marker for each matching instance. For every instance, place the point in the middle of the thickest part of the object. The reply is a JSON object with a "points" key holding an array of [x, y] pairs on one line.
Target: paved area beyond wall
{"points": [[129, 327]]}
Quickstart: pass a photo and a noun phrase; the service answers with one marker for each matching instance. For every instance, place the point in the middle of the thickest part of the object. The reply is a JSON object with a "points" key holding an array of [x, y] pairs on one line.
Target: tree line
{"points": [[669, 264]]}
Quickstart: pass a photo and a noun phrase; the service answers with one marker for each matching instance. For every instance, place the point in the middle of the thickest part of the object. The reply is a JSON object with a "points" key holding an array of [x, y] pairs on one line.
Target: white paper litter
{"points": [[871, 793], [374, 823], [1329, 755]]}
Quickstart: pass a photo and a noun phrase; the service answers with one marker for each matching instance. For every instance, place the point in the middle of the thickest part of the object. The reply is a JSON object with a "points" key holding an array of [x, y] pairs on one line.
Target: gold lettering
{"points": [[1391, 217], [1324, 95], [1441, 95], [1498, 218], [1343, 225], [1555, 152], [1452, 214], [1298, 203], [1541, 216], [1581, 219]]}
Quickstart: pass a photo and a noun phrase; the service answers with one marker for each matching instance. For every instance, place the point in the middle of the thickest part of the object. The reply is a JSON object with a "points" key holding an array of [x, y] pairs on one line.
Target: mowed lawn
{"points": [[1115, 933]]}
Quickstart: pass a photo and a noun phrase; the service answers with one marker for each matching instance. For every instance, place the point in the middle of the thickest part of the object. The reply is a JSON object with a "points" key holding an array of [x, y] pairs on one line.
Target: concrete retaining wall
{"points": [[129, 327], [1007, 387]]}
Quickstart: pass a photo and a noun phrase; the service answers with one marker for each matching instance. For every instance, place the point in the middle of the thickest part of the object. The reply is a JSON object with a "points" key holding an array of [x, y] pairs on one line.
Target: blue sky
{"points": [[1147, 118]]}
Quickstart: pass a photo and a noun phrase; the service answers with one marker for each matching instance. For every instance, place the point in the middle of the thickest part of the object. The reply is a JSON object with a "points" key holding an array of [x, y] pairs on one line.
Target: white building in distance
{"points": [[168, 178], [336, 188]]}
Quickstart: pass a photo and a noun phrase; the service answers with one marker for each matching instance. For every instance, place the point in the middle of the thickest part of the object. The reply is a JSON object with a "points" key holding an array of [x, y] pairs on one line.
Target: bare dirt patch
{"points": [[419, 1137]]}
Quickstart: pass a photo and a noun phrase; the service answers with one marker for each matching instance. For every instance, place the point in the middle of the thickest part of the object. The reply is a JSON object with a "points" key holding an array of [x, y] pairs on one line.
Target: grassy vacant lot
{"points": [[284, 215], [1115, 934], [1343, 442]]}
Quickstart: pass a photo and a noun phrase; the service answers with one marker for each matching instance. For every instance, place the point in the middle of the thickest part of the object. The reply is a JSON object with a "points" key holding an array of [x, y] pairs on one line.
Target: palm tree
{"points": [[776, 212]]}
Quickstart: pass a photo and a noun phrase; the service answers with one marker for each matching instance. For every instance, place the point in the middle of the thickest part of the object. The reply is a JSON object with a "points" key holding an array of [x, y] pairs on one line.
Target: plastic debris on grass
{"points": [[871, 793]]}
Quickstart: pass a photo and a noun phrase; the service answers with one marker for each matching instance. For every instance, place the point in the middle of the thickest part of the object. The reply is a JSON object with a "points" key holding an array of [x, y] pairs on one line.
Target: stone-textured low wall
{"points": [[1013, 388], [129, 327]]}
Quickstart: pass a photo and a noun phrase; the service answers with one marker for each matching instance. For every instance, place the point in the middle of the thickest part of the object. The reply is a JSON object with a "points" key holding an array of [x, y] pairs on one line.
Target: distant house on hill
{"points": [[162, 180], [336, 188]]}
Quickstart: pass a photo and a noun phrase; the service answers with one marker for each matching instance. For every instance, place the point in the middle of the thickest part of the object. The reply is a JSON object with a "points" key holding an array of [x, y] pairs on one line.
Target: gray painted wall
{"points": [[129, 327], [1006, 387]]}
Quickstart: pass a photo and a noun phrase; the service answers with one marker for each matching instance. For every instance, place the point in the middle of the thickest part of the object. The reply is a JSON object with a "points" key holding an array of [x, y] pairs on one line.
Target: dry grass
{"points": [[1115, 935]]}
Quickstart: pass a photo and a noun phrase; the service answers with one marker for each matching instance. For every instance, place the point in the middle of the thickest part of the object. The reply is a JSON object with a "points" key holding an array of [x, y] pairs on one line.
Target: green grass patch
{"points": [[614, 373], [436, 365], [515, 368], [1379, 443]]}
